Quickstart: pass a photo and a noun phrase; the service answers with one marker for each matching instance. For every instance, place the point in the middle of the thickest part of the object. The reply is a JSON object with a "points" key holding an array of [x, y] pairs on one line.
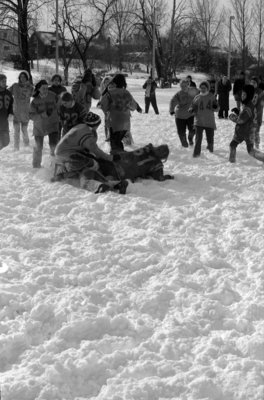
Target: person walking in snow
{"points": [[119, 102], [258, 103], [246, 122], [179, 106], [22, 92], [6, 108], [204, 106], [150, 87], [43, 112]]}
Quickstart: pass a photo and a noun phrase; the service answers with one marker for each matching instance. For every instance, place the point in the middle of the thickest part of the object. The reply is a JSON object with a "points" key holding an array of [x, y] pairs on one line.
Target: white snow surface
{"points": [[157, 294]]}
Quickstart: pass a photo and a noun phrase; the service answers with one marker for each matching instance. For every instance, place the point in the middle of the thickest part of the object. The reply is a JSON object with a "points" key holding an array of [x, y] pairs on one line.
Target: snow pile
{"points": [[155, 295]]}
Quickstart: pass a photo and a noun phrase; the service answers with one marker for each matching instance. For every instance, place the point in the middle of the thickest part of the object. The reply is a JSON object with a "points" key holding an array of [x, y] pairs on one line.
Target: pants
{"points": [[151, 100], [4, 140], [24, 126], [38, 147], [199, 137], [257, 137], [116, 138], [250, 149], [223, 112], [182, 125]]}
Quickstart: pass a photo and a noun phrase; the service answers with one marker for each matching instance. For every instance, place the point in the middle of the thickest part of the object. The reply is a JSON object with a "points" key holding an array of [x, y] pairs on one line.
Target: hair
{"points": [[66, 96], [2, 76], [120, 81], [56, 76], [205, 83], [250, 91], [184, 81], [189, 77], [38, 86]]}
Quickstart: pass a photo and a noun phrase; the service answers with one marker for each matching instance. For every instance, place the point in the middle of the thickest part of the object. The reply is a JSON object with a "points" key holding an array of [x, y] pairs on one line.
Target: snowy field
{"points": [[155, 295]]}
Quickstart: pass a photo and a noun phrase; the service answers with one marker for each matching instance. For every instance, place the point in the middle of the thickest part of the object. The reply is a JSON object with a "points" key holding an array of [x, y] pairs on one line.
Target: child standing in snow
{"points": [[246, 122], [179, 105], [204, 105], [6, 108], [70, 113], [43, 112], [22, 92]]}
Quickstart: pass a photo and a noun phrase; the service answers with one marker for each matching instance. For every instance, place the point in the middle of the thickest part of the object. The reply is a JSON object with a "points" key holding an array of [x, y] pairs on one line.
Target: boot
{"points": [[257, 154], [232, 155]]}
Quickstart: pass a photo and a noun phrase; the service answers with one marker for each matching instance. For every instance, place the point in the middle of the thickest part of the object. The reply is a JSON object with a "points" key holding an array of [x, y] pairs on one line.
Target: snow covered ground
{"points": [[158, 294]]}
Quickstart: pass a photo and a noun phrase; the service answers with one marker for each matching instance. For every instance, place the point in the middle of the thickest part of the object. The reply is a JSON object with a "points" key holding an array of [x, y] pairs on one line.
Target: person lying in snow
{"points": [[77, 155], [246, 124]]}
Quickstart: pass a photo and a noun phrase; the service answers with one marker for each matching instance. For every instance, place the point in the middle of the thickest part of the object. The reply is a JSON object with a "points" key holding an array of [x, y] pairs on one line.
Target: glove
{"points": [[172, 112], [116, 157]]}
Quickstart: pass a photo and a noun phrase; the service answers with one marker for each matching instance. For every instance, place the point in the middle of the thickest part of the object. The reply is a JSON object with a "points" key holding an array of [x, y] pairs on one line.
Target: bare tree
{"points": [[16, 15], [122, 24], [85, 22], [243, 25], [258, 18]]}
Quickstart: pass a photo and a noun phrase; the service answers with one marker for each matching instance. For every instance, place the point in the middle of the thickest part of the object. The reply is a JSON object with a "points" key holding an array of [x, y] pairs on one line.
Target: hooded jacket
{"points": [[22, 93]]}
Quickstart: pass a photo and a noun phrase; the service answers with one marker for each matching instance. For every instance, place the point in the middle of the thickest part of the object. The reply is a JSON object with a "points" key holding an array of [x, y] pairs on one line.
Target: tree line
{"points": [[185, 32]]}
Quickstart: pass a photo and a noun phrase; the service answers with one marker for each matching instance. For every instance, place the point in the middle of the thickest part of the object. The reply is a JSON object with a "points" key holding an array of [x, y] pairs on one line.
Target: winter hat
{"points": [[250, 91], [120, 81], [66, 96], [92, 120], [2, 76], [25, 73], [56, 76], [205, 83]]}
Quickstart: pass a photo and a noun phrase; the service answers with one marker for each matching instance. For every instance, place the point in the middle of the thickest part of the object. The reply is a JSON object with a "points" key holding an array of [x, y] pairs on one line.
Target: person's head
{"points": [[204, 87], [224, 79], [247, 95], [23, 77], [67, 100], [189, 78], [87, 75], [254, 81], [2, 81], [184, 84], [92, 120], [41, 88], [56, 80], [242, 75], [120, 81]]}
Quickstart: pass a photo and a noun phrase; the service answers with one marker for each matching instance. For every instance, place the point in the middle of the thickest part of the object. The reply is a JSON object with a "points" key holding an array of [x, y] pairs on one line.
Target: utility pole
{"points": [[229, 47], [153, 41], [57, 36]]}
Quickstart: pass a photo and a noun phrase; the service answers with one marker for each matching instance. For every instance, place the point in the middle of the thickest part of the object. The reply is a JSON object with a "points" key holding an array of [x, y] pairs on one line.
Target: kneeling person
{"points": [[78, 156]]}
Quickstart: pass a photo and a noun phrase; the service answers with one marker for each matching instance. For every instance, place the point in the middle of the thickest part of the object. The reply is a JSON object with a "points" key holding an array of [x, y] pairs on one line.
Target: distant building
{"points": [[8, 44], [43, 45]]}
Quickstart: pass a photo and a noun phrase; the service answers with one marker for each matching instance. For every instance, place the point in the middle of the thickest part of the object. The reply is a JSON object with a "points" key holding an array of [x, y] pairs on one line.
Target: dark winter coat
{"points": [[237, 88], [150, 87], [223, 94]]}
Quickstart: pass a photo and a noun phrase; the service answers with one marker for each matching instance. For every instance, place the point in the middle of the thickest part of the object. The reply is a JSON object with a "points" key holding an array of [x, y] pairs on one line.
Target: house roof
{"points": [[47, 38]]}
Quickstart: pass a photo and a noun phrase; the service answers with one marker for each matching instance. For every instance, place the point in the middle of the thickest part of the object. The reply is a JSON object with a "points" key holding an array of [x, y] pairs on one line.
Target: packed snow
{"points": [[157, 294]]}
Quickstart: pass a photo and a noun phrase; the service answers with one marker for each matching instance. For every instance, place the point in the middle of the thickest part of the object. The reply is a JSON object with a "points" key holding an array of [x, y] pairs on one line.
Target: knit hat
{"points": [[92, 120], [205, 83], [25, 73], [120, 81], [66, 96], [2, 76], [56, 76], [250, 91]]}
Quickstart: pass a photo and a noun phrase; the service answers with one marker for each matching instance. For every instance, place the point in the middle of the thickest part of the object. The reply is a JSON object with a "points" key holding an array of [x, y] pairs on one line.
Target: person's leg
{"points": [[258, 155], [53, 141], [116, 143], [221, 113], [210, 139], [226, 113], [16, 126], [37, 151], [257, 137], [232, 155], [147, 103], [191, 130], [181, 129], [4, 140], [24, 128], [198, 141], [153, 101]]}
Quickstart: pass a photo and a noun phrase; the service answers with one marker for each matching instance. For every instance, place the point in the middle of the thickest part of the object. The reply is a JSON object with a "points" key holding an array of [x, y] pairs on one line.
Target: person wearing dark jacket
{"points": [[246, 122], [6, 100], [56, 86], [223, 88], [237, 88], [150, 87]]}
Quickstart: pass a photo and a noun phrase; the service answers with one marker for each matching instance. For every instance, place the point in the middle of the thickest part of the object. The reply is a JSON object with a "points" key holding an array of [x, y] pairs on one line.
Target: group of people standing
{"points": [[195, 109]]}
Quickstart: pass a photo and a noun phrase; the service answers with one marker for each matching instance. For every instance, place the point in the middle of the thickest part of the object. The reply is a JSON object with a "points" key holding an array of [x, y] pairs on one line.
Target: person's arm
{"points": [[90, 144], [173, 103], [244, 116]]}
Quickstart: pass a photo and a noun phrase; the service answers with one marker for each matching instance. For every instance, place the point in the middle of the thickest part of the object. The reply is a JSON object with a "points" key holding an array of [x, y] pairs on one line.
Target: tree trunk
{"points": [[23, 37]]}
